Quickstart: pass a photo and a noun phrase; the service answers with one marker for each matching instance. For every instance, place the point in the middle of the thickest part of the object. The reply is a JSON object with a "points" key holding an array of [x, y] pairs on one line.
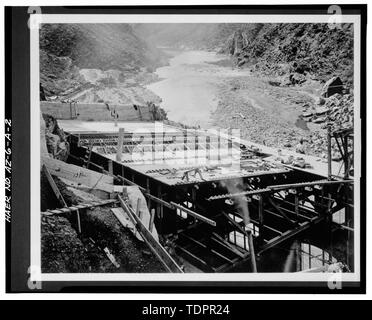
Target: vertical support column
{"points": [[193, 196], [120, 145], [251, 252], [148, 190], [152, 217], [196, 146], [122, 173], [159, 208], [329, 149], [297, 248], [78, 220], [261, 218], [71, 111], [296, 204], [346, 156], [110, 167]]}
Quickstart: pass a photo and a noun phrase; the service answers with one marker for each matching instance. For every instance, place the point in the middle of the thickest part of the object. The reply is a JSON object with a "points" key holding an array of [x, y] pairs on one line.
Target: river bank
{"points": [[200, 88]]}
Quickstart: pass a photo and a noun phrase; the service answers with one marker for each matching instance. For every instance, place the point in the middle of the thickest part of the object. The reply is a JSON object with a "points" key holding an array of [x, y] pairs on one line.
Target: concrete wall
{"points": [[95, 111]]}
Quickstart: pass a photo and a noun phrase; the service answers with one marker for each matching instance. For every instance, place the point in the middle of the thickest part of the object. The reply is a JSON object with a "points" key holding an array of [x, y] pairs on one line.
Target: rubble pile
{"points": [[61, 248], [337, 110]]}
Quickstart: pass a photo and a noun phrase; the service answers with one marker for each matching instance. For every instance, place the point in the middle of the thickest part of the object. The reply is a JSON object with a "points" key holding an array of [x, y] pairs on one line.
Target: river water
{"points": [[189, 86]]}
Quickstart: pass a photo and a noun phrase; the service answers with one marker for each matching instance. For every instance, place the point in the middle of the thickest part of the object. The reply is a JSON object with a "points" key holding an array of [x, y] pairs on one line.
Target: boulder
{"points": [[300, 67], [320, 101], [297, 78], [332, 86], [320, 120], [321, 110]]}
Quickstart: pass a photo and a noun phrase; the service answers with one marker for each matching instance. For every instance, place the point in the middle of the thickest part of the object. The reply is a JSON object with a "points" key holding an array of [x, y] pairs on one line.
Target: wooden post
{"points": [[329, 149], [138, 211], [59, 195], [71, 110], [346, 156], [140, 112], [78, 220], [54, 186], [120, 145], [251, 252], [196, 146], [110, 167], [260, 218], [148, 191], [152, 217], [296, 205]]}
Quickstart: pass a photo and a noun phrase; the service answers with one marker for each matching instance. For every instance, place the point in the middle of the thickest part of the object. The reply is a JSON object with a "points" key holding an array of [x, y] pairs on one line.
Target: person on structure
{"points": [[300, 148]]}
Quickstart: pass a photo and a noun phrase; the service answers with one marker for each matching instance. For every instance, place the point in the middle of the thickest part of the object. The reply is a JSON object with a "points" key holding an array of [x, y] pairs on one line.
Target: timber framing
{"points": [[282, 202]]}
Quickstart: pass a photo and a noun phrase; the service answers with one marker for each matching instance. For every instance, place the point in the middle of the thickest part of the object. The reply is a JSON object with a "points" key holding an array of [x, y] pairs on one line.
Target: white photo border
{"points": [[37, 19]]}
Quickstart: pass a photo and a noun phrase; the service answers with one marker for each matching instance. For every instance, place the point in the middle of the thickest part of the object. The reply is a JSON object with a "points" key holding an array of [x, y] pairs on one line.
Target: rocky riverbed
{"points": [[280, 116], [198, 90]]}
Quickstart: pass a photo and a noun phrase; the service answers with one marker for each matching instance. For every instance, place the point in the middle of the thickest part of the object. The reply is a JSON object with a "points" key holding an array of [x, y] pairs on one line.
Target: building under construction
{"points": [[223, 202]]}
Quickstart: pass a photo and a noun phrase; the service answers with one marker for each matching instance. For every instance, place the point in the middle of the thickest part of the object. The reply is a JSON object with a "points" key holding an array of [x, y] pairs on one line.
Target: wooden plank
{"points": [[290, 233], [154, 245], [197, 242], [147, 194], [280, 210], [152, 217], [236, 224], [89, 178], [54, 186], [125, 221], [120, 145], [194, 214], [216, 237], [195, 260]]}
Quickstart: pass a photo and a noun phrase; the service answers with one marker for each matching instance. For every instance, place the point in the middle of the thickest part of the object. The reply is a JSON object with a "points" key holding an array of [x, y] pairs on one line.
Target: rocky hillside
{"points": [[67, 48], [313, 50]]}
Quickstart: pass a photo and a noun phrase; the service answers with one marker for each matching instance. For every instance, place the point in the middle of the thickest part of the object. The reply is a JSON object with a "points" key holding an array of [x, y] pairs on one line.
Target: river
{"points": [[189, 86]]}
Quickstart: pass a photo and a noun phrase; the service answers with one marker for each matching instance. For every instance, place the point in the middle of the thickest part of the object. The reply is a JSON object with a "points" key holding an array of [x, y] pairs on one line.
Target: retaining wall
{"points": [[95, 111]]}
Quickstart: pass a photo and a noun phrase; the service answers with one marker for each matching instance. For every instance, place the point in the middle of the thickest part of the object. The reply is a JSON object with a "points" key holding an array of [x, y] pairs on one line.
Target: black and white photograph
{"points": [[196, 147]]}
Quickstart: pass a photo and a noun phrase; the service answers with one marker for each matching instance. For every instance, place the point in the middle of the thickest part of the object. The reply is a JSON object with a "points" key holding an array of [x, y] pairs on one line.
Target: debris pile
{"points": [[61, 248], [337, 110]]}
